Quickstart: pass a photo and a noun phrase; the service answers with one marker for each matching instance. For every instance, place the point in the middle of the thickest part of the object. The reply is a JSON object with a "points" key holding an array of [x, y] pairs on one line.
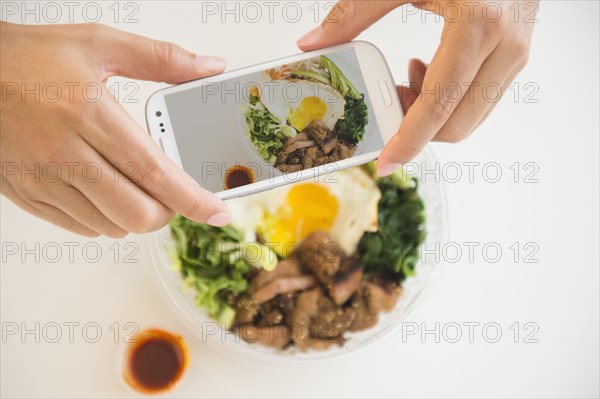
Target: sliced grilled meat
{"points": [[332, 323], [347, 281], [316, 157], [272, 318], [283, 285], [364, 317], [321, 255], [299, 319], [285, 168], [246, 310], [295, 143], [333, 156], [308, 302], [285, 268], [325, 138], [285, 302], [310, 159], [298, 145], [329, 144], [317, 131], [345, 150], [312, 298], [273, 336], [381, 295]]}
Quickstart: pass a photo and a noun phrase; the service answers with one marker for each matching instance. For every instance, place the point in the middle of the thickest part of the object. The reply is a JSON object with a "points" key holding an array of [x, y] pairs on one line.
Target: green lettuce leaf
{"points": [[210, 262]]}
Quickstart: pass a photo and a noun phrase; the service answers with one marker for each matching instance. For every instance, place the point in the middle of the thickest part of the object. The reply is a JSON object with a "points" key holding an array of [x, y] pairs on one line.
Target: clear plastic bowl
{"points": [[415, 288]]}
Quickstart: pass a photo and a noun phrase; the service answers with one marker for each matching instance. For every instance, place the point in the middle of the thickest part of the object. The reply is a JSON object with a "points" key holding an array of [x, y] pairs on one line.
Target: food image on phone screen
{"points": [[275, 122]]}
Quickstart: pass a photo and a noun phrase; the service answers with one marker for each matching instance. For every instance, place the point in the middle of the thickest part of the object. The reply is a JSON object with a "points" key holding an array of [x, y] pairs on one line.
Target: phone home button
{"points": [[385, 93]]}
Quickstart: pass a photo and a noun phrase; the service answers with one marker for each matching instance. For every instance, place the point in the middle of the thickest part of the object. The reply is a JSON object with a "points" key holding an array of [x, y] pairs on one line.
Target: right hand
{"points": [[98, 172], [483, 44]]}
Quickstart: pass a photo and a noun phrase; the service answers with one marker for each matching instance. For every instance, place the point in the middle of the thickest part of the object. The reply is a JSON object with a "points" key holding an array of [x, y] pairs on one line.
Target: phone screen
{"points": [[274, 122]]}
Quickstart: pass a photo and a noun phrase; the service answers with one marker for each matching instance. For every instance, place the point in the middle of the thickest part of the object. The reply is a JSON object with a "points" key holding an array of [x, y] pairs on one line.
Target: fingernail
{"points": [[388, 169], [210, 63], [219, 219], [311, 37]]}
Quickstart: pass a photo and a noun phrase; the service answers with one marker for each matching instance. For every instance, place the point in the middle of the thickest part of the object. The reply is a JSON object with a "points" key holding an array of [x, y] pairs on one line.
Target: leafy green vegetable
{"points": [[356, 114], [210, 260], [266, 131], [352, 127], [312, 75], [339, 81], [394, 248]]}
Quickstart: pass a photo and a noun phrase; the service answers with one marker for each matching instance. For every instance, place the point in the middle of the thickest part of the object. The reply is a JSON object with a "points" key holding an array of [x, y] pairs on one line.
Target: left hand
{"points": [[132, 185]]}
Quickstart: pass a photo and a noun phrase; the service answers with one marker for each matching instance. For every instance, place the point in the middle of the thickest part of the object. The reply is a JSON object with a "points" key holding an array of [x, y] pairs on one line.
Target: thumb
{"points": [[346, 20], [139, 57]]}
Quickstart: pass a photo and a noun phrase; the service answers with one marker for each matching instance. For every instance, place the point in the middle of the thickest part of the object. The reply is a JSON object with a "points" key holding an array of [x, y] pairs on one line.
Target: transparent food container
{"points": [[433, 193]]}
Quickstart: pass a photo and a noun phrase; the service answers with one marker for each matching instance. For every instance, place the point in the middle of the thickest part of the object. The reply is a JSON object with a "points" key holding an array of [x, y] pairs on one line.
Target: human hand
{"points": [[95, 170], [481, 44]]}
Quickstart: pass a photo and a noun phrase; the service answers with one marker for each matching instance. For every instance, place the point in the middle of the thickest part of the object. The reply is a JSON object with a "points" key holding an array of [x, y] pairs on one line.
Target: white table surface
{"points": [[559, 214]]}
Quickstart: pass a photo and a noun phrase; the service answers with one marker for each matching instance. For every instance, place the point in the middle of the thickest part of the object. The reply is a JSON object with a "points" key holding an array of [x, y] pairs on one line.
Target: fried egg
{"points": [[345, 206], [299, 102]]}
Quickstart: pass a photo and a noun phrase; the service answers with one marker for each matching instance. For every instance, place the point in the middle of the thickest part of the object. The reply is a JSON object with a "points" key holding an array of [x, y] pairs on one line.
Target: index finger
{"points": [[455, 63], [124, 144]]}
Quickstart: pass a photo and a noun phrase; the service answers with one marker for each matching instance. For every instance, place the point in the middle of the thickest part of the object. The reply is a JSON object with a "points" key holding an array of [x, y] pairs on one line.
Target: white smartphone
{"points": [[297, 118]]}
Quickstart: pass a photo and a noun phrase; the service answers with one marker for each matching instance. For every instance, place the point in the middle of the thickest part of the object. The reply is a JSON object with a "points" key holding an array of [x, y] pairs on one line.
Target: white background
{"points": [[559, 214]]}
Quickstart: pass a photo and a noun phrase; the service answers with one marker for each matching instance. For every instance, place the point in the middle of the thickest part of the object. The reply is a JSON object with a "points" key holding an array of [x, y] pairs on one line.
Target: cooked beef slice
{"points": [[381, 295], [283, 285], [246, 309], [364, 317], [273, 336], [347, 281], [285, 268], [321, 255], [332, 323], [325, 138], [299, 319], [345, 150]]}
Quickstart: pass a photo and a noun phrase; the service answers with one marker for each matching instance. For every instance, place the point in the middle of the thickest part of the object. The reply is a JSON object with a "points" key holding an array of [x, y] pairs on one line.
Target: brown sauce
{"points": [[156, 361], [238, 176]]}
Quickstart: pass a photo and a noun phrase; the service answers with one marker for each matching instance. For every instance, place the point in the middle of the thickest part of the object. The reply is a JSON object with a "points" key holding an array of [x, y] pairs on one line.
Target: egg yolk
{"points": [[309, 207], [310, 108]]}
